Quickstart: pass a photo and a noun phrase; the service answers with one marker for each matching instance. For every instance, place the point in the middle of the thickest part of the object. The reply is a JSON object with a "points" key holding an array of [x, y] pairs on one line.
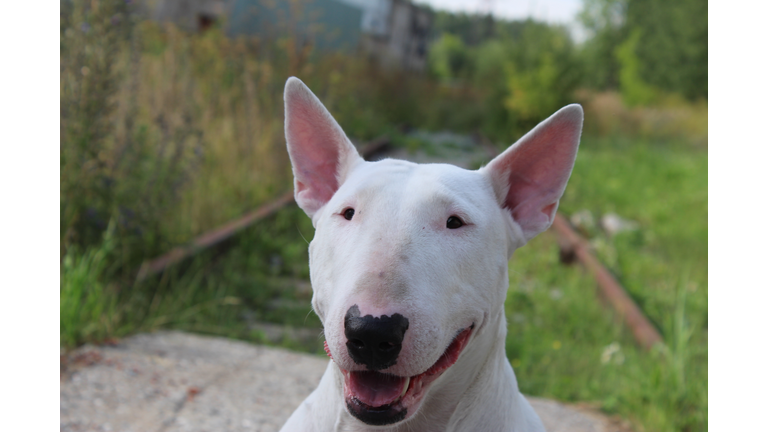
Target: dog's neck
{"points": [[480, 383]]}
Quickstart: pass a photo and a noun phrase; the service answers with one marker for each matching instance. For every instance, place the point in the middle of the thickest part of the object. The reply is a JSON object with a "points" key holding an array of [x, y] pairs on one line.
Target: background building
{"points": [[393, 33]]}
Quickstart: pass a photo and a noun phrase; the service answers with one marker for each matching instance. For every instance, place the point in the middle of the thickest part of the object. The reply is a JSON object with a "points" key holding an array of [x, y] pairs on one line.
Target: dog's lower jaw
{"points": [[479, 392], [379, 416]]}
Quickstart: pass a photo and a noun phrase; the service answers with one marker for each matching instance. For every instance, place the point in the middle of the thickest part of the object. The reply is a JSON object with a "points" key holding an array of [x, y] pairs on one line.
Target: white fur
{"points": [[397, 256]]}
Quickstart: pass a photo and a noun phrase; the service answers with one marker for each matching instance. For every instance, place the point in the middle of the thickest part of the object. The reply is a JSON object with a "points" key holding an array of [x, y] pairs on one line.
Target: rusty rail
{"points": [[645, 333], [217, 235], [211, 238]]}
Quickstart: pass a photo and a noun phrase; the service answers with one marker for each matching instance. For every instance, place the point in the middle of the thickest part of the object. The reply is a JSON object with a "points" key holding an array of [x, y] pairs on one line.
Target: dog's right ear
{"points": [[321, 154]]}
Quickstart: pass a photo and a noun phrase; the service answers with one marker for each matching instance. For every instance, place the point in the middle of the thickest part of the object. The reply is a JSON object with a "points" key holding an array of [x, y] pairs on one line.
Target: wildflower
{"points": [[612, 224], [583, 221], [612, 352]]}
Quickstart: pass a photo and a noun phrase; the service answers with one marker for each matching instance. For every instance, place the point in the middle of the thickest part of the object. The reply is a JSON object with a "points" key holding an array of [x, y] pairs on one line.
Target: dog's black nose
{"points": [[374, 342]]}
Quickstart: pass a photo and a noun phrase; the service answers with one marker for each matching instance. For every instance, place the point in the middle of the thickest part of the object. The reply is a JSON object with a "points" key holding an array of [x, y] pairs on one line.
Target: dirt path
{"points": [[173, 381]]}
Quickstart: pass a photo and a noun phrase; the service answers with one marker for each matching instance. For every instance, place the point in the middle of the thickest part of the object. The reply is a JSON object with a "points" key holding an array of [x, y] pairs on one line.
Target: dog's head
{"points": [[409, 262]]}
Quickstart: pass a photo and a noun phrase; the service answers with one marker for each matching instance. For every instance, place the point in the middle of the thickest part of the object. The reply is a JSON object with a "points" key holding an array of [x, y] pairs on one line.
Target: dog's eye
{"points": [[348, 213], [454, 222]]}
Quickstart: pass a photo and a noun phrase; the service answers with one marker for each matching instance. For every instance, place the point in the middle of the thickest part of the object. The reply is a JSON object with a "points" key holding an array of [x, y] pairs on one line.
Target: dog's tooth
{"points": [[405, 387]]}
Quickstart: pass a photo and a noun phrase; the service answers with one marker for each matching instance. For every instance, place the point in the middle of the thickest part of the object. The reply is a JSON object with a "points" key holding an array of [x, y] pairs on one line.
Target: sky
{"points": [[554, 11]]}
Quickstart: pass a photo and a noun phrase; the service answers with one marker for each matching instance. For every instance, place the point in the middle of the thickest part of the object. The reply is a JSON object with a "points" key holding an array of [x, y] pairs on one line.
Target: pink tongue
{"points": [[375, 389]]}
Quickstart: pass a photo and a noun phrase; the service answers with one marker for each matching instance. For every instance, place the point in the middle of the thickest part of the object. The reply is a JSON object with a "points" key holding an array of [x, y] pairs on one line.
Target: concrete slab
{"points": [[179, 382]]}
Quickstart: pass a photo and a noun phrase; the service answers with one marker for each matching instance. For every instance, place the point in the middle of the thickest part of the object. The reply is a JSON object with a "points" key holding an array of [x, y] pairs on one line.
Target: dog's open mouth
{"points": [[377, 398]]}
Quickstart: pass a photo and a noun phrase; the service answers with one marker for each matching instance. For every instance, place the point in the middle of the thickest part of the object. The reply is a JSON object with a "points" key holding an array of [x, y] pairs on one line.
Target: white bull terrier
{"points": [[409, 270]]}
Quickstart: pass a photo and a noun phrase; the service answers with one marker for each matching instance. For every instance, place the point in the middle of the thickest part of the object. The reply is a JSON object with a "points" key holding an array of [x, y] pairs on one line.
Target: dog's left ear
{"points": [[321, 154], [530, 176]]}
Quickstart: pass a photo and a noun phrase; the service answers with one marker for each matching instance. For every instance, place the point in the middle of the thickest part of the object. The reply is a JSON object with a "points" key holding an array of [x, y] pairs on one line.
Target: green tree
{"points": [[449, 58], [672, 47], [634, 90], [604, 21], [541, 73], [668, 40], [471, 29]]}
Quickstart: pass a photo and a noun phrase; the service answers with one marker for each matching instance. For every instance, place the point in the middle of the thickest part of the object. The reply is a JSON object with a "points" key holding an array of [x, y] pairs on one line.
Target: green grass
{"points": [[257, 277], [564, 343], [87, 308]]}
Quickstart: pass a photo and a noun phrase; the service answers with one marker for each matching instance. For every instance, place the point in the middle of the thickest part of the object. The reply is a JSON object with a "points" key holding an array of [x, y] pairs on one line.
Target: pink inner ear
{"points": [[537, 169], [319, 149], [550, 210], [315, 169], [540, 169]]}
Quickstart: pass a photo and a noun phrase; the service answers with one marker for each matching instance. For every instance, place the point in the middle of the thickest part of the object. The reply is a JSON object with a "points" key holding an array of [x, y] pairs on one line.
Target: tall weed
{"points": [[88, 303], [115, 163], [669, 119]]}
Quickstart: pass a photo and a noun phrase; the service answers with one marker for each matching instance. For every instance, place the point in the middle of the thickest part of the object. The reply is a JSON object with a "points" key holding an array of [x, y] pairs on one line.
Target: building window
{"points": [[204, 22]]}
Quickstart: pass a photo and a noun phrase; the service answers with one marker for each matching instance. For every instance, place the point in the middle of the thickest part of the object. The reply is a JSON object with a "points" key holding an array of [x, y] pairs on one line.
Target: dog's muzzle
{"points": [[378, 398], [374, 342]]}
